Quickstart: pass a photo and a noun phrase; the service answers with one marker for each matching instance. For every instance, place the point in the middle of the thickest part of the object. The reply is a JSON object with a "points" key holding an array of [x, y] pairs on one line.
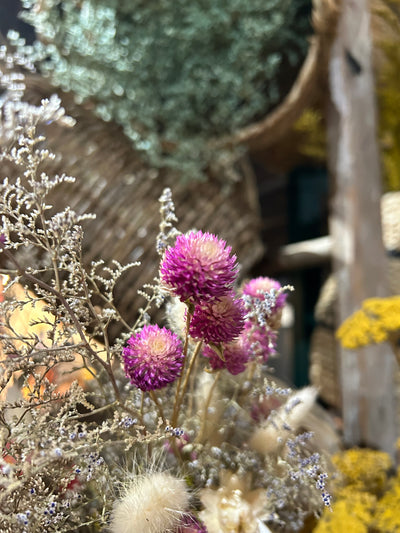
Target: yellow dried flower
{"points": [[362, 469], [352, 514], [378, 319], [311, 125], [387, 514], [365, 499]]}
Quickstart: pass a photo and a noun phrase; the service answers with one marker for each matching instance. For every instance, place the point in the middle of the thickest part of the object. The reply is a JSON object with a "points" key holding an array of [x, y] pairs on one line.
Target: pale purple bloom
{"points": [[257, 287], [220, 320], [153, 358], [199, 267], [234, 357]]}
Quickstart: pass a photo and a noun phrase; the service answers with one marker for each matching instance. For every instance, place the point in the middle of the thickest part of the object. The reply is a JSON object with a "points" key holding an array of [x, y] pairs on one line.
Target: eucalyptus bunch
{"points": [[176, 75]]}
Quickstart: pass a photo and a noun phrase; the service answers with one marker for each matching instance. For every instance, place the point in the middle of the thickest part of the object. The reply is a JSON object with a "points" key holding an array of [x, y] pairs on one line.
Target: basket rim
{"points": [[278, 122]]}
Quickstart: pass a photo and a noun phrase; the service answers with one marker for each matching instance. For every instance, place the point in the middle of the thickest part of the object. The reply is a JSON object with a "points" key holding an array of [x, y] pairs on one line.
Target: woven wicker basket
{"points": [[115, 184], [324, 369]]}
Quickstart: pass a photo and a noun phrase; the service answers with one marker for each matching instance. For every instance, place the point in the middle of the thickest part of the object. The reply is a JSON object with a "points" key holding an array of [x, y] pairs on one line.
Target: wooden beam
{"points": [[367, 375], [312, 252]]}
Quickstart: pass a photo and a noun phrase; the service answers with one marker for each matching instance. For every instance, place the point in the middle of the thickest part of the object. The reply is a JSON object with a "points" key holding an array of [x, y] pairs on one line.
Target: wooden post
{"points": [[367, 375]]}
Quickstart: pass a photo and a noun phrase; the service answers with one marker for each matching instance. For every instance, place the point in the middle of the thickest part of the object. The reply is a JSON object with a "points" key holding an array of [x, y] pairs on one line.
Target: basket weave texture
{"points": [[114, 183]]}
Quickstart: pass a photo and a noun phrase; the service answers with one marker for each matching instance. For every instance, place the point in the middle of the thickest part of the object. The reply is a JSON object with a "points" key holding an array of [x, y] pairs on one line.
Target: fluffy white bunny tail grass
{"points": [[153, 503], [284, 422]]}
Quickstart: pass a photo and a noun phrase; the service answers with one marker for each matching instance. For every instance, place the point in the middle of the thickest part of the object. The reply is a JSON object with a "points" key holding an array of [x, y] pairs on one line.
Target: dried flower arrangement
{"points": [[166, 429]]}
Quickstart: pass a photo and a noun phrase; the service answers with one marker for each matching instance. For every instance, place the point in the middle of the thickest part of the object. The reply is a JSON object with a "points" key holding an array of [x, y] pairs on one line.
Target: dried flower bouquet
{"points": [[174, 428]]}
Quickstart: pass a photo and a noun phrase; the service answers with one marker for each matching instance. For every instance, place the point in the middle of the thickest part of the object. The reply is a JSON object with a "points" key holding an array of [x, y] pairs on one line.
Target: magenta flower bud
{"points": [[220, 320], [199, 267], [190, 524], [153, 358], [235, 356]]}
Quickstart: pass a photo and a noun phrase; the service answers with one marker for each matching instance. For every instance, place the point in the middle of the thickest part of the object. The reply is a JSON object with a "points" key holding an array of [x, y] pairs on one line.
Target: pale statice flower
{"points": [[233, 507], [153, 503], [257, 288], [153, 358], [284, 422], [219, 320], [167, 230], [262, 340], [199, 267]]}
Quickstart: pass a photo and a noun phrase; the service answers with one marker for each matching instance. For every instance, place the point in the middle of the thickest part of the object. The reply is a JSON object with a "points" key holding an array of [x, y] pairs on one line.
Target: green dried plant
{"points": [[388, 89], [311, 127], [174, 74]]}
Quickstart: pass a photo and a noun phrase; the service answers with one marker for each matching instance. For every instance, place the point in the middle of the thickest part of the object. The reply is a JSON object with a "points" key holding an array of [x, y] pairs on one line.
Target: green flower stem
{"points": [[179, 382], [206, 406], [153, 396], [186, 382]]}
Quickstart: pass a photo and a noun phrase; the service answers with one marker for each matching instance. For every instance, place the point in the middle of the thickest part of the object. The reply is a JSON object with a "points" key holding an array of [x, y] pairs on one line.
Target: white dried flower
{"points": [[153, 503], [233, 507]]}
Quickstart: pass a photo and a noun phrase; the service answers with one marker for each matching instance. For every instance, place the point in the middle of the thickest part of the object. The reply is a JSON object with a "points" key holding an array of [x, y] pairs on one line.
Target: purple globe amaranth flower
{"points": [[153, 358], [235, 355], [261, 339], [220, 320], [190, 524], [199, 267], [257, 287]]}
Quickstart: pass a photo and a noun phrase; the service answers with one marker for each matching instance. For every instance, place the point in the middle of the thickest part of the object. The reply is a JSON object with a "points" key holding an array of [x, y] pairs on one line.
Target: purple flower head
{"points": [[261, 339], [153, 358], [199, 267], [190, 524], [220, 320], [235, 356], [257, 287]]}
